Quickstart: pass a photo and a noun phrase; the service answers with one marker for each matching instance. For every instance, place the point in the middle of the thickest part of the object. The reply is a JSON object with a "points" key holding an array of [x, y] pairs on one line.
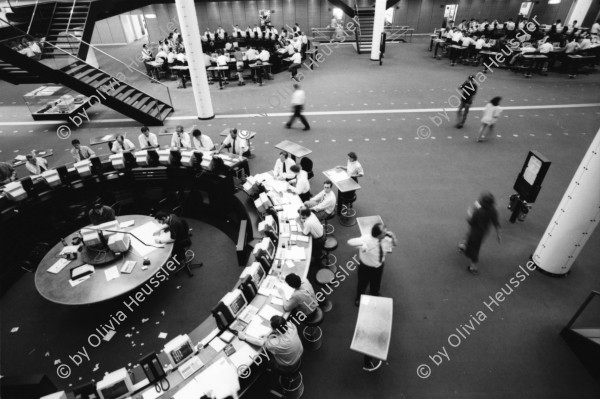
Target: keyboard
{"points": [[238, 326], [190, 367]]}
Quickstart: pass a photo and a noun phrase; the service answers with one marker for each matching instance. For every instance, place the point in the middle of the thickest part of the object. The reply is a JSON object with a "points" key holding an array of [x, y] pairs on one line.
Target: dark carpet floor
{"points": [[421, 188]]}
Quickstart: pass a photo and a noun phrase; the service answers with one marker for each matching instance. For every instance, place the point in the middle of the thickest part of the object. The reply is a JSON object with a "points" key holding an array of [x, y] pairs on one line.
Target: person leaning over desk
{"points": [[147, 139], [283, 165], [36, 165], [180, 234], [181, 139], [81, 152], [310, 225], [201, 142], [303, 300], [302, 185], [283, 343], [122, 144], [7, 173], [237, 145], [101, 214]]}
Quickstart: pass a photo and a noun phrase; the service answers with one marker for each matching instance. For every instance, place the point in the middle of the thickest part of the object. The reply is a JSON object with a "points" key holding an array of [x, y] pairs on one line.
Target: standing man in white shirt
{"points": [[238, 145], [201, 141], [302, 187], [180, 138], [298, 101], [36, 165], [147, 140], [283, 165], [121, 144], [296, 63], [323, 204]]}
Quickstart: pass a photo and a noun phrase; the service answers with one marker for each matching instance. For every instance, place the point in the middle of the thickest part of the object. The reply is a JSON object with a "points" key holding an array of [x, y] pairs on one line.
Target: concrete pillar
{"points": [[575, 219], [377, 28], [190, 33]]}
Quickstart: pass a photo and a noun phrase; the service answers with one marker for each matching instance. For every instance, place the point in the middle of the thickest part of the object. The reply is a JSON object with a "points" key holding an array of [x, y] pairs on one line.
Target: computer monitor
{"points": [[235, 302], [265, 248], [63, 173], [268, 223], [96, 165], [256, 272], [115, 385], [179, 349]]}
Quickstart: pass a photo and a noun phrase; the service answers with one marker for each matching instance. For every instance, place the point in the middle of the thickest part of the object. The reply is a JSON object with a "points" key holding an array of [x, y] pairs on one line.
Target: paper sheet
{"points": [[217, 344], [337, 176], [145, 233], [191, 390], [276, 301], [268, 311], [295, 253], [218, 381], [257, 329], [79, 281], [128, 223], [112, 273], [58, 266], [302, 238], [243, 356]]}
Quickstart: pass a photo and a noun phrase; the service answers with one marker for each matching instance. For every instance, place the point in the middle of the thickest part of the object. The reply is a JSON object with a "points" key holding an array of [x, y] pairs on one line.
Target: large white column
{"points": [[575, 219], [377, 28], [190, 33]]}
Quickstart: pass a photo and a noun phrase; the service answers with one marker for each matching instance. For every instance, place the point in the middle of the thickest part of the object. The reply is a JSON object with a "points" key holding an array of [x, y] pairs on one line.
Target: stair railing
{"points": [[57, 64], [51, 19], [70, 16], [129, 67], [357, 30], [32, 15]]}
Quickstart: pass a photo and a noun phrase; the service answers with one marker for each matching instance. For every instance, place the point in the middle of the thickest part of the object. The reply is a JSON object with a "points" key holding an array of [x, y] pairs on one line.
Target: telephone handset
{"points": [[152, 368]]}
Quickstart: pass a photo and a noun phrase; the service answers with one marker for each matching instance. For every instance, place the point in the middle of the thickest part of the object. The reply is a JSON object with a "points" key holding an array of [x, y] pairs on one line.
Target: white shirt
{"points": [[325, 201], [161, 56], [457, 36], [585, 44], [204, 144], [181, 57], [371, 252], [146, 55], [312, 226], [491, 114], [290, 49], [278, 169], [181, 141], [354, 169], [466, 41], [150, 141], [171, 57], [296, 58], [41, 166], [264, 56], [510, 25], [546, 48], [222, 60], [127, 145], [298, 97], [595, 28], [302, 183], [251, 54], [479, 44], [241, 145]]}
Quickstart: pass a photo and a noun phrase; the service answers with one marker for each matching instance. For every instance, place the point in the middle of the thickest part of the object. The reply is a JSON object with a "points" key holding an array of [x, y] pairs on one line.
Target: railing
{"points": [[32, 15], [60, 63], [396, 32], [129, 67], [70, 16], [357, 30], [327, 34]]}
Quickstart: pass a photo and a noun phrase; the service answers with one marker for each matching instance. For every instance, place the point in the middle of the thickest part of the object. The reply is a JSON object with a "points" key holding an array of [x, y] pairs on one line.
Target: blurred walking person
{"points": [[468, 90], [481, 215], [491, 113], [298, 101]]}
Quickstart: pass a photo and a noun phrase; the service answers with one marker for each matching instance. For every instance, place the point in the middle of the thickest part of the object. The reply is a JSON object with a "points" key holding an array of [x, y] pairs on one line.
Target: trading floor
{"points": [[420, 184]]}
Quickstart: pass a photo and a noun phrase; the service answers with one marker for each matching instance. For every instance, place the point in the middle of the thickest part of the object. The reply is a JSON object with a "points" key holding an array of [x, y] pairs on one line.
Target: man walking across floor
{"points": [[298, 101], [468, 90]]}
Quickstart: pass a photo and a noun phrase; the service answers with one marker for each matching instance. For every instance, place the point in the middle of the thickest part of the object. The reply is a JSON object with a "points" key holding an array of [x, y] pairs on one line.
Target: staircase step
{"points": [[151, 105], [84, 73], [95, 75], [588, 332], [131, 100], [165, 113], [117, 91], [142, 101], [99, 82], [129, 91]]}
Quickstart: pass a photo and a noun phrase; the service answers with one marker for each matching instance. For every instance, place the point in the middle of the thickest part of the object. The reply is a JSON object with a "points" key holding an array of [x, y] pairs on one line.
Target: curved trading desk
{"points": [[134, 184], [56, 287]]}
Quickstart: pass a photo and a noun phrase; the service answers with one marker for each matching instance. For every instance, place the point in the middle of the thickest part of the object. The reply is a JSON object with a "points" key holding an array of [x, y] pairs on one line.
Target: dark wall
{"points": [[422, 15]]}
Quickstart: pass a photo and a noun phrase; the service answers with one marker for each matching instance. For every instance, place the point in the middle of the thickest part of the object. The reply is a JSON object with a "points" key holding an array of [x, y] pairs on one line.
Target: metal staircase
{"points": [[366, 20], [75, 73], [68, 18]]}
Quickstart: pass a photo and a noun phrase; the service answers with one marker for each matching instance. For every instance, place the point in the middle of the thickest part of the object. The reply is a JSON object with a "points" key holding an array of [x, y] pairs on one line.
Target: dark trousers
{"points": [[298, 114], [463, 111], [368, 276]]}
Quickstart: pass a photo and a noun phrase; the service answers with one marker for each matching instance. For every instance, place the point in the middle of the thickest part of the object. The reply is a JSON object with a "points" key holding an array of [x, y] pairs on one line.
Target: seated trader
{"points": [[7, 173], [180, 234], [323, 204], [302, 187], [303, 299], [147, 140], [283, 343], [122, 144], [310, 224], [237, 145], [283, 165], [201, 142], [296, 63], [81, 152], [180, 138], [101, 214], [36, 165]]}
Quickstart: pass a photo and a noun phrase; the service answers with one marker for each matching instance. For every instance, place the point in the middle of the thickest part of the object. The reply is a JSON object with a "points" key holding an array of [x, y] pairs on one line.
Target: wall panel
{"points": [[239, 15], [202, 16], [302, 14], [251, 13], [212, 11], [277, 17], [289, 13], [326, 13], [225, 15]]}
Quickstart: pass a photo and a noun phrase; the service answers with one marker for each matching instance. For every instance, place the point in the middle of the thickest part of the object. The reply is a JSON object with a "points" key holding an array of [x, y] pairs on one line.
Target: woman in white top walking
{"points": [[491, 113]]}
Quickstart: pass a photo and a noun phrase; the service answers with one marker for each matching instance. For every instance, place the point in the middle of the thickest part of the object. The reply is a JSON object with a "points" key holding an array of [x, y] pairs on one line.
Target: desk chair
{"points": [[312, 332], [348, 213], [329, 260], [189, 258], [329, 229], [291, 382]]}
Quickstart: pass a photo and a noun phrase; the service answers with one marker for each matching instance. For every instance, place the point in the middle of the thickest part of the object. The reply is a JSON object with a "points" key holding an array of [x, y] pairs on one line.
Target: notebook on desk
{"points": [[190, 367]]}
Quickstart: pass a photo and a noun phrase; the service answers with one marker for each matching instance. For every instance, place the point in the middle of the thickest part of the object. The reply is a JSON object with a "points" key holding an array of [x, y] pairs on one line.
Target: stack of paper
{"points": [[268, 311], [58, 266], [257, 329], [145, 233], [243, 356], [295, 253], [218, 381]]}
